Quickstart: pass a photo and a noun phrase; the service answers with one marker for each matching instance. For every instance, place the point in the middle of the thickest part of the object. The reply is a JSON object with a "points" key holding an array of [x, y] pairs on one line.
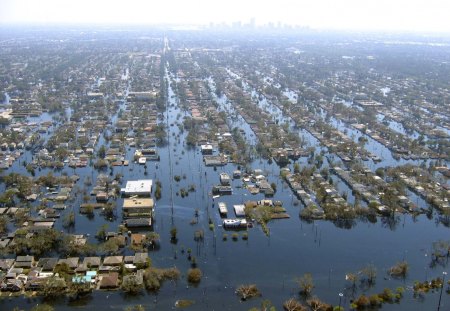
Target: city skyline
{"points": [[411, 16]]}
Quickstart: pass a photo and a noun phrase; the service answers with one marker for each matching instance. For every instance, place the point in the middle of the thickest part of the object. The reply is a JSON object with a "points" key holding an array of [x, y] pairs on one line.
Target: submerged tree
{"points": [[293, 305], [399, 270], [194, 275], [132, 285], [248, 291], [306, 284]]}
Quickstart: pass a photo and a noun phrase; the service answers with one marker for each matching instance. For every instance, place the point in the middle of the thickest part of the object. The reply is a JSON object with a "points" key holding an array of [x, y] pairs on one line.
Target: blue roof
{"points": [[91, 273], [81, 279]]}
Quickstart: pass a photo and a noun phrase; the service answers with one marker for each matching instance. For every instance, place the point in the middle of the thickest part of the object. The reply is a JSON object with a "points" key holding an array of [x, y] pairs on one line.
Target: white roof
{"points": [[142, 186], [239, 210]]}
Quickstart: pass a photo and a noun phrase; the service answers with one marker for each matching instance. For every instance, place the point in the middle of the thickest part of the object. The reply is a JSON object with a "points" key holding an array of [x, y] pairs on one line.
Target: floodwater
{"points": [[326, 250]]}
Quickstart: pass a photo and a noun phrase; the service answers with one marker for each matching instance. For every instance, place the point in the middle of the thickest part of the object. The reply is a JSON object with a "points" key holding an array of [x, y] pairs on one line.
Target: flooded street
{"points": [[273, 259]]}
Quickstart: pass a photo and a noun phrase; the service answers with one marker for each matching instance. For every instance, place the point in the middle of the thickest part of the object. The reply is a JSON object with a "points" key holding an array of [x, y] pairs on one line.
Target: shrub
{"points": [[399, 270], [306, 284], [248, 291], [293, 305], [362, 302], [194, 275]]}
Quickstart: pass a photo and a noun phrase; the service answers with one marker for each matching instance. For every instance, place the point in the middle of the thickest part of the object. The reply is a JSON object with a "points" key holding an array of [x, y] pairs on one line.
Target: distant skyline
{"points": [[361, 15]]}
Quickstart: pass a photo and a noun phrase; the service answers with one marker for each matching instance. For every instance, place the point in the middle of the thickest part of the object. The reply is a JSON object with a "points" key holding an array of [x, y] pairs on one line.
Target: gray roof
{"points": [[72, 262], [25, 258], [92, 261], [47, 264], [140, 258], [112, 260]]}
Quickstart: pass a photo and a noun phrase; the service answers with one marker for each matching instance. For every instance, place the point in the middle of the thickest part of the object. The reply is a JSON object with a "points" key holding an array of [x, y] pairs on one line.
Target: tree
{"points": [[101, 233], [248, 291], [296, 168], [399, 270], [370, 272], [111, 246], [293, 305], [101, 153], [154, 276], [266, 305], [306, 284], [132, 285], [152, 238], [352, 278], [44, 242], [317, 305], [380, 172], [69, 220], [79, 289], [274, 186], [194, 275], [54, 287], [173, 234]]}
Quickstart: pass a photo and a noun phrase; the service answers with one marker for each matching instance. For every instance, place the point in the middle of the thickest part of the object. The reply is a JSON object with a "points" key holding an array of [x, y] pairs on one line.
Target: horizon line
{"points": [[223, 26]]}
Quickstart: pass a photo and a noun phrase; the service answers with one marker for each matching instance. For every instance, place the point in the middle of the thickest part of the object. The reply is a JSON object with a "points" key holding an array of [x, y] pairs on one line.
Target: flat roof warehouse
{"points": [[138, 187]]}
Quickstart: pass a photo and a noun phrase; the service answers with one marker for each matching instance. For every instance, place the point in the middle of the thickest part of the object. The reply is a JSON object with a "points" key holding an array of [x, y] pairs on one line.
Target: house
{"points": [[102, 196], [224, 179], [4, 242], [128, 259], [120, 240], [113, 261], [138, 223], [234, 223], [137, 238], [92, 262], [47, 264], [141, 259], [6, 264], [71, 262], [237, 174], [24, 261], [138, 277], [88, 263], [109, 281], [239, 210], [138, 207], [12, 285], [207, 149]]}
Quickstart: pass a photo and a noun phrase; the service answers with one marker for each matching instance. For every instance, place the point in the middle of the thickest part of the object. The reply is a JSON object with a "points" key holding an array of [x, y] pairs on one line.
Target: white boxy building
{"points": [[142, 187]]}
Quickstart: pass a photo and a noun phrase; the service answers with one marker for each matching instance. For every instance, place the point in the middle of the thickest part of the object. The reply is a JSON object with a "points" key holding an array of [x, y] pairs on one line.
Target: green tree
{"points": [[101, 233], [101, 153], [132, 285], [54, 287], [77, 290], [296, 168]]}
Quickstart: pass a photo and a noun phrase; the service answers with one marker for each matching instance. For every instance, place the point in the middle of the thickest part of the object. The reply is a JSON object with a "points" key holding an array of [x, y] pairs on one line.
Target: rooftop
{"points": [[138, 187]]}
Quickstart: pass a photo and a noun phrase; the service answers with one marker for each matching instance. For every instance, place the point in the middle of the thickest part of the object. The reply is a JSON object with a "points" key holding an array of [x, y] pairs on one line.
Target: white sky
{"points": [[409, 15]]}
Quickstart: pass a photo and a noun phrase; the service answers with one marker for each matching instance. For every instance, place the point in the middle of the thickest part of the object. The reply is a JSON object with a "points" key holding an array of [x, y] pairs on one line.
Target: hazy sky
{"points": [[410, 15]]}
